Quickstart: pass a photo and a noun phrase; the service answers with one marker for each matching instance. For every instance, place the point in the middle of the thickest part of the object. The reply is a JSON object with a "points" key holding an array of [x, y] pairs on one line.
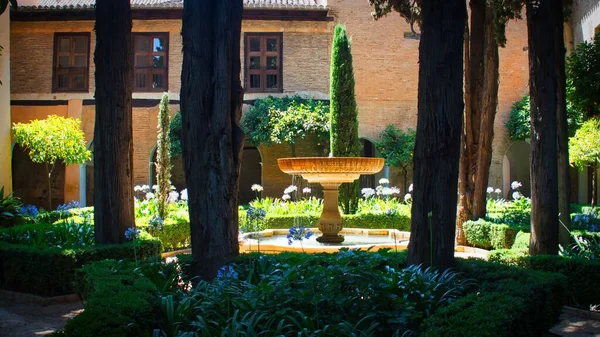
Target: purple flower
{"points": [[132, 233], [298, 234]]}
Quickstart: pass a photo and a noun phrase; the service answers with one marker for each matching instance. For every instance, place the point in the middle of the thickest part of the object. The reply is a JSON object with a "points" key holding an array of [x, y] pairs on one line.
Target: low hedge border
{"points": [[49, 271], [486, 234], [582, 275], [364, 220], [510, 302]]}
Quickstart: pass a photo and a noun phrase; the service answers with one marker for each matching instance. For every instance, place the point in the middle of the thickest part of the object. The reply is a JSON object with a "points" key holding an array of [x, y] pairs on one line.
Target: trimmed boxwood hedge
{"points": [[486, 234], [582, 274], [361, 220], [510, 301], [49, 271]]}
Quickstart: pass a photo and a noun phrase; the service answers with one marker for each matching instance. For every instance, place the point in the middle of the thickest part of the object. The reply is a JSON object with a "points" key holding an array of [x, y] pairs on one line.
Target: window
{"points": [[151, 61], [71, 62], [263, 63]]}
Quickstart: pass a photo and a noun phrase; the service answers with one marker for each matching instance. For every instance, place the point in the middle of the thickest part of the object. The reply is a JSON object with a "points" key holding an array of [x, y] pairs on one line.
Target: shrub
{"points": [[582, 275], [119, 301], [361, 220], [486, 234], [49, 271], [174, 234], [10, 209], [521, 241], [510, 302]]}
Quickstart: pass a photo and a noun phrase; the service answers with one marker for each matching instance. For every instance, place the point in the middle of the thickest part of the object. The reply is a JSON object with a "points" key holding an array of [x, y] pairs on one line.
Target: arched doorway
{"points": [[89, 178], [369, 150], [30, 181], [250, 174], [515, 167]]}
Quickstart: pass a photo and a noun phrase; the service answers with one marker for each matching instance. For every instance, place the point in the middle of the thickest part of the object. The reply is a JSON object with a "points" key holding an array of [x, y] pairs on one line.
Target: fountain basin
{"points": [[330, 172], [275, 241]]}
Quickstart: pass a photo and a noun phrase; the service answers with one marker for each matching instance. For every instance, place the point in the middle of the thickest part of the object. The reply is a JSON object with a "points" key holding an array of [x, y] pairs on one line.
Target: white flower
{"points": [[515, 185], [516, 195], [490, 190], [285, 197], [173, 196], [410, 188], [390, 190], [184, 195], [383, 181], [306, 190], [498, 191], [256, 188], [367, 192], [407, 197], [379, 189], [149, 195], [137, 188], [154, 187], [290, 189]]}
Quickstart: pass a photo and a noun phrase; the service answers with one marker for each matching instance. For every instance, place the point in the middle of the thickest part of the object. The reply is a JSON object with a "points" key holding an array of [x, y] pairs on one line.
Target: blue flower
{"points": [[227, 272], [132, 233], [255, 214], [298, 234], [66, 207], [29, 211], [156, 223]]}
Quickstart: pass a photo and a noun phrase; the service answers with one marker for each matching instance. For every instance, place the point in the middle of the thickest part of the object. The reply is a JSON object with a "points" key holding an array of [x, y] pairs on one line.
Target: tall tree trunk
{"points": [[564, 180], [113, 133], [481, 101], [544, 18], [439, 125], [211, 104]]}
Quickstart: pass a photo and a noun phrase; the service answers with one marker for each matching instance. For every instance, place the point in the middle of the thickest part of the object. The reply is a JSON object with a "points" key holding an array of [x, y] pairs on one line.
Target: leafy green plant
{"points": [[51, 140], [163, 158], [175, 135], [584, 151], [397, 147], [583, 67], [10, 208], [518, 124], [286, 119]]}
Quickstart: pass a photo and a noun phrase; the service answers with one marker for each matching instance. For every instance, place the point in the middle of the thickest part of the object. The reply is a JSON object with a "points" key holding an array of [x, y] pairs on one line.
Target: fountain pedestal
{"points": [[330, 223], [330, 173]]}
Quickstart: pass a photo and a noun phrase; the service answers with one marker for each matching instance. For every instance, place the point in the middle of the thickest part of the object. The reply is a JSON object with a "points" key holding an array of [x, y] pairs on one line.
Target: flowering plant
{"points": [[298, 234]]}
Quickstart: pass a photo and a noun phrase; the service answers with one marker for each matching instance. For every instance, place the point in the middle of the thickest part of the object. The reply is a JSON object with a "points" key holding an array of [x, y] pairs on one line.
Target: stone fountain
{"points": [[330, 173]]}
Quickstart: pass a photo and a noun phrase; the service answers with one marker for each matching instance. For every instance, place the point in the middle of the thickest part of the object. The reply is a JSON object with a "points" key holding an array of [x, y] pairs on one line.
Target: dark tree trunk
{"points": [[544, 18], [562, 129], [481, 101], [211, 104], [594, 184], [113, 133], [439, 125]]}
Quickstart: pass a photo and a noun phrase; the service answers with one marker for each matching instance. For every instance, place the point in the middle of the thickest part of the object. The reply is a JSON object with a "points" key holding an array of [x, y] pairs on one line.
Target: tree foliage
{"points": [[4, 5], [286, 119], [344, 113], [518, 124], [583, 69], [163, 157], [52, 140], [175, 135], [584, 146], [397, 146]]}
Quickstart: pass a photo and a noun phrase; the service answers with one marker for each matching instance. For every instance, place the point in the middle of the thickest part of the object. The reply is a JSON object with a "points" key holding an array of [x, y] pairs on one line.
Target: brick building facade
{"points": [[385, 64]]}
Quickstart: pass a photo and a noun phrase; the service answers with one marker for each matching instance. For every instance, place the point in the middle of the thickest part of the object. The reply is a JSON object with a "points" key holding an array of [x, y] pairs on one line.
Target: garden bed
{"points": [[360, 293]]}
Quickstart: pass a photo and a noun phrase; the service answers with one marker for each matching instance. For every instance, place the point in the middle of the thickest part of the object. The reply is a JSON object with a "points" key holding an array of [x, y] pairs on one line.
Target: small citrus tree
{"points": [[51, 140], [397, 147], [584, 151]]}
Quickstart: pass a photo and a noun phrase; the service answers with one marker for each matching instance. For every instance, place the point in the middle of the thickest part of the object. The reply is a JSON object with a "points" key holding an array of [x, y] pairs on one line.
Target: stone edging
{"points": [[582, 313], [34, 299]]}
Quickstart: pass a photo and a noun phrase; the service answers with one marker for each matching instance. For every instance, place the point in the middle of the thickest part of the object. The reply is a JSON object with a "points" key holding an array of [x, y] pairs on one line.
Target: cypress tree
{"points": [[344, 113], [163, 158]]}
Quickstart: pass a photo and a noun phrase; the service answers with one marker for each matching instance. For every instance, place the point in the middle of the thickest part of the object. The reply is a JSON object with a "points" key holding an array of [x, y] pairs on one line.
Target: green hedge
{"points": [[486, 234], [175, 233], [582, 274], [362, 220], [119, 301], [510, 302], [49, 271]]}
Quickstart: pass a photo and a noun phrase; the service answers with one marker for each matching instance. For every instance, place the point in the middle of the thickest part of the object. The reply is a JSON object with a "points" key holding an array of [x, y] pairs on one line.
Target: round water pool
{"points": [[275, 240]]}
